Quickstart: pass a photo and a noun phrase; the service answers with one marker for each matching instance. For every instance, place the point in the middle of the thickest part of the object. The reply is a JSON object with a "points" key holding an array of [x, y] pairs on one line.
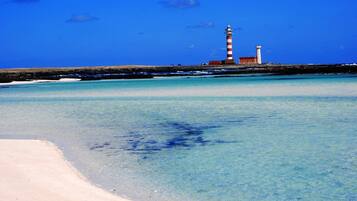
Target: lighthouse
{"points": [[229, 33]]}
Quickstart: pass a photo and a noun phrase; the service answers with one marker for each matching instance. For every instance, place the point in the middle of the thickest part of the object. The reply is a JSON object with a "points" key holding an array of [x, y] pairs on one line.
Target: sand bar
{"points": [[39, 81], [33, 170]]}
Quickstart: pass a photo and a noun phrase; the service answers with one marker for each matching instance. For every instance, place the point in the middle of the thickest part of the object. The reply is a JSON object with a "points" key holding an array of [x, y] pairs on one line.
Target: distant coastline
{"points": [[145, 72]]}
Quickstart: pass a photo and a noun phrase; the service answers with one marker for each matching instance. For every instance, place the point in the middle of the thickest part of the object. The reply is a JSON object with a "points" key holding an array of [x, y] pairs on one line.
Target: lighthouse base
{"points": [[229, 62]]}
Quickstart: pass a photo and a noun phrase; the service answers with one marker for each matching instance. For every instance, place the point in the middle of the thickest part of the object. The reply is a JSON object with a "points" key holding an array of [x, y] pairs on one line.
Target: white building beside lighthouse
{"points": [[259, 54]]}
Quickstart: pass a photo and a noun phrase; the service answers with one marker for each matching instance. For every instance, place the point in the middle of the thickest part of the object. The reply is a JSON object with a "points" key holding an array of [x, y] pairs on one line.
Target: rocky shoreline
{"points": [[145, 72]]}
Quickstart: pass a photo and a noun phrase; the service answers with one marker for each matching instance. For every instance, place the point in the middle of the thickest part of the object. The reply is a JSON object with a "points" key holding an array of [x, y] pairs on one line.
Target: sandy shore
{"points": [[39, 81], [33, 170]]}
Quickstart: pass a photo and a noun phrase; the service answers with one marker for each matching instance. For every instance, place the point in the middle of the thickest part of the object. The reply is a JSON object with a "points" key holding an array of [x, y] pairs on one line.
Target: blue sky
{"points": [[41, 33]]}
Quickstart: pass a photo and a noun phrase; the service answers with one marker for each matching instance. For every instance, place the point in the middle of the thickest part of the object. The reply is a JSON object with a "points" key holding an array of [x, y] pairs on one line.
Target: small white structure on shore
{"points": [[259, 54]]}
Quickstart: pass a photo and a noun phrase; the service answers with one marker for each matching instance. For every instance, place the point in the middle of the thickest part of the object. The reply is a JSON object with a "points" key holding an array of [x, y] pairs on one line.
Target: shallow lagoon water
{"points": [[228, 138]]}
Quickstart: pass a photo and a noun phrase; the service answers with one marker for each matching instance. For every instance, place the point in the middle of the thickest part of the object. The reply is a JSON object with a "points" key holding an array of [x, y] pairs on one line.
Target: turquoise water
{"points": [[204, 139]]}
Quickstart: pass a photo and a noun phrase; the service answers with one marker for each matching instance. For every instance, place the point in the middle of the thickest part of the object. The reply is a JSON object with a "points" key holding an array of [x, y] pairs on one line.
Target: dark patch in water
{"points": [[174, 135], [226, 142], [187, 129], [187, 135], [176, 142], [97, 146], [4, 87], [202, 191], [201, 141], [299, 169]]}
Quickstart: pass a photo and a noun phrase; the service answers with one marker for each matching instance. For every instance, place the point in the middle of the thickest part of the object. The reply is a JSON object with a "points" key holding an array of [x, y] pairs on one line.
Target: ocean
{"points": [[225, 138]]}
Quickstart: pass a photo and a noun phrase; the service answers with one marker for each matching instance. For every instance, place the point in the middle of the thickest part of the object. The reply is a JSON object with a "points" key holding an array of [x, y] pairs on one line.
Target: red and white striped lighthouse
{"points": [[229, 33]]}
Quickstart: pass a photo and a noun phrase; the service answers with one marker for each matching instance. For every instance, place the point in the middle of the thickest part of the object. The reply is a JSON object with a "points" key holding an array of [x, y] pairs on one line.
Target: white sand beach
{"points": [[34, 170], [39, 81]]}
